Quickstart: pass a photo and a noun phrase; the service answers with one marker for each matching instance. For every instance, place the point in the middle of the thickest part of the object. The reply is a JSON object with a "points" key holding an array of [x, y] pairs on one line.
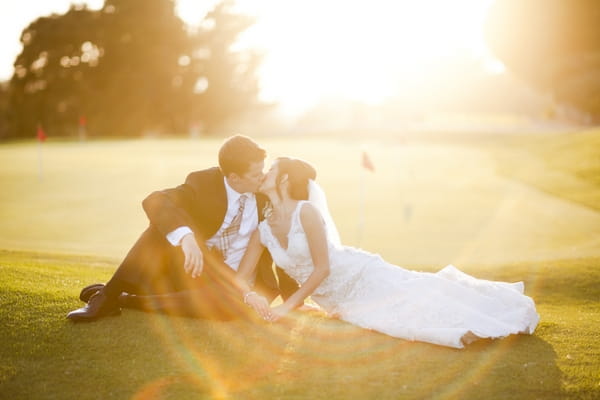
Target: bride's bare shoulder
{"points": [[309, 214]]}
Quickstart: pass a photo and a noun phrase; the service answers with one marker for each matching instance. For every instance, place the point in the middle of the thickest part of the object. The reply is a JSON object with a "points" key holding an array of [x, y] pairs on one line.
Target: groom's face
{"points": [[268, 182], [250, 180]]}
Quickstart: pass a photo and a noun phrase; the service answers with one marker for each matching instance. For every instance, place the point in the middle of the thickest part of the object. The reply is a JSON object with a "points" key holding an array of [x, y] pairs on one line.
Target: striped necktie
{"points": [[232, 230]]}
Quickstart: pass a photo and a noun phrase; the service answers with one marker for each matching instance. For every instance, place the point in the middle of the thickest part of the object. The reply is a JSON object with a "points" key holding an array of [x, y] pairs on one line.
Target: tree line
{"points": [[130, 68], [133, 67]]}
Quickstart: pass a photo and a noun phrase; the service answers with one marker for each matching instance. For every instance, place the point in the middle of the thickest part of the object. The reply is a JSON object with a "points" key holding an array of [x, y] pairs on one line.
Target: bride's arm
{"points": [[245, 273], [317, 243]]}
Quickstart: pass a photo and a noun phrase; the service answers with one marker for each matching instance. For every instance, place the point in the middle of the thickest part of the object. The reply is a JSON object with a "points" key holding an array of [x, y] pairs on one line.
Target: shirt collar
{"points": [[232, 194]]}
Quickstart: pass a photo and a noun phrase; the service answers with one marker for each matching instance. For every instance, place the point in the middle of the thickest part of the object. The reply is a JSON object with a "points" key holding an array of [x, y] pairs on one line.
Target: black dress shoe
{"points": [[90, 290], [99, 306]]}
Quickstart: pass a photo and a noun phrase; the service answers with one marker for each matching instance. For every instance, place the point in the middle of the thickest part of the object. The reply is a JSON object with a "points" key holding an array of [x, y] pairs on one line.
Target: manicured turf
{"points": [[506, 208], [44, 356]]}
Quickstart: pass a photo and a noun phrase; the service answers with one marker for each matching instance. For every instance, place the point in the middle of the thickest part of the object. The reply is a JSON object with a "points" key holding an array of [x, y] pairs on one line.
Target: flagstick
{"points": [[40, 162], [361, 208]]}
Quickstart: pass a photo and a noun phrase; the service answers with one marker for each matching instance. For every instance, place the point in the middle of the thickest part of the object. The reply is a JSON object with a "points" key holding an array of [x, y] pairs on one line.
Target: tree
{"points": [[552, 44], [228, 86], [50, 77], [3, 110], [129, 68]]}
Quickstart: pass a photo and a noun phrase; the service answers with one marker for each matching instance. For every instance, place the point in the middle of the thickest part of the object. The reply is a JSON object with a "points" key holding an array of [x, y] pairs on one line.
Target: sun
{"points": [[357, 50]]}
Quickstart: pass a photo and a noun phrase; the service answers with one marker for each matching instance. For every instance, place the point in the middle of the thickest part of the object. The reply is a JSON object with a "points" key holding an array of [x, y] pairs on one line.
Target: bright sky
{"points": [[363, 50]]}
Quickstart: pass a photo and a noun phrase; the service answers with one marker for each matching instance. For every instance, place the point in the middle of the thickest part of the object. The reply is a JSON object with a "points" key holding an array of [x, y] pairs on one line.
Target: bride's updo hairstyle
{"points": [[299, 172]]}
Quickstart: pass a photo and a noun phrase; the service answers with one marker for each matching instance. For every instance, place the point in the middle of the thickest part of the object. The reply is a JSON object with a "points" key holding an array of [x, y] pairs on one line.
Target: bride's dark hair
{"points": [[299, 172]]}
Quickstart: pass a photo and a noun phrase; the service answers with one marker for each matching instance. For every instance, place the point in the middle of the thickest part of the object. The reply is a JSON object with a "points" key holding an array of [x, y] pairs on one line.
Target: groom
{"points": [[184, 262]]}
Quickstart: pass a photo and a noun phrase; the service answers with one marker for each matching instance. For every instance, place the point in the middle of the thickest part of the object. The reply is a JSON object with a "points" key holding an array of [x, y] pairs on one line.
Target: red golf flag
{"points": [[41, 135], [366, 162]]}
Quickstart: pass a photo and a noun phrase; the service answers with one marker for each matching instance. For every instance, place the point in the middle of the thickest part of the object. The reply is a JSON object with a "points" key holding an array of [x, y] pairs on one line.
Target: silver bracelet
{"points": [[248, 294]]}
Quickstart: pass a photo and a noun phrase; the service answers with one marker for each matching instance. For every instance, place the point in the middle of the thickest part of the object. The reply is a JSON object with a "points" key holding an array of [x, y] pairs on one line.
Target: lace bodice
{"points": [[346, 264], [296, 259]]}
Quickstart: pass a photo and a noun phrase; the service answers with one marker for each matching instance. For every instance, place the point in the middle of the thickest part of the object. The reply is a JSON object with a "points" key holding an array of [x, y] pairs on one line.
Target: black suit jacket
{"points": [[201, 204]]}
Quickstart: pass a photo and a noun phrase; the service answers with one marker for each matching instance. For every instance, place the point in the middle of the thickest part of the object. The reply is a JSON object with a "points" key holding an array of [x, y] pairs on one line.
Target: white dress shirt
{"points": [[239, 243]]}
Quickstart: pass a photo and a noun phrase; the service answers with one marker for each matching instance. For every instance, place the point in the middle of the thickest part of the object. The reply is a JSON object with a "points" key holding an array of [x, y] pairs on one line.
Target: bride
{"points": [[448, 308]]}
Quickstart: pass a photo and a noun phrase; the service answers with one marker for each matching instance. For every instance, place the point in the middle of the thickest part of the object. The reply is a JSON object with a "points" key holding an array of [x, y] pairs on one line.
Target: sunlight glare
{"points": [[357, 50]]}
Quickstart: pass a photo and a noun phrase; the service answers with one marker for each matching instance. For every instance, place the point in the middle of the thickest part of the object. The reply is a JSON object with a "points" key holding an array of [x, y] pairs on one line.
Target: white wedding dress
{"points": [[438, 308]]}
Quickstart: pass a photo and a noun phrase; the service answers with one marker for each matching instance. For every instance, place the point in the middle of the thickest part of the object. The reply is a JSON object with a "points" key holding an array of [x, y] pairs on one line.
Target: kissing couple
{"points": [[211, 244]]}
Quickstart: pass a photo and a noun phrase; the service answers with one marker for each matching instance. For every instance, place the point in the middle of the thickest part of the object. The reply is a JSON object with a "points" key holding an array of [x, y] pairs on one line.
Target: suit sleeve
{"points": [[170, 209]]}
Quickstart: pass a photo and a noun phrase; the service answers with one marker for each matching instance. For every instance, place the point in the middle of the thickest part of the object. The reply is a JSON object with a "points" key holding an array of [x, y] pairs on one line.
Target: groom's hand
{"points": [[194, 260]]}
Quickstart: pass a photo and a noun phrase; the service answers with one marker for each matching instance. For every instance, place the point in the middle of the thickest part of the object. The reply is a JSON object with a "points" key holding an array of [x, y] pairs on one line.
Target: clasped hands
{"points": [[194, 264], [261, 305]]}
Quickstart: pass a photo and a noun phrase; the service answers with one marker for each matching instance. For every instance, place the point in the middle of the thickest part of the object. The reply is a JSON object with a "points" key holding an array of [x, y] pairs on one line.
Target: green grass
{"points": [[44, 356], [565, 165], [431, 202], [424, 195]]}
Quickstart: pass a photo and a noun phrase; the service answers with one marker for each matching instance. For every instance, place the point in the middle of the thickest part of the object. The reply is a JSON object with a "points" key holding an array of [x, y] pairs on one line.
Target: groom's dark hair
{"points": [[299, 172], [237, 153]]}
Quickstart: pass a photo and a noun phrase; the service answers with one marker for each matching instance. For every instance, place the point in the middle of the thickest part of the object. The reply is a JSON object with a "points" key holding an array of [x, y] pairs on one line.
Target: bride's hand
{"points": [[259, 304], [279, 312]]}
